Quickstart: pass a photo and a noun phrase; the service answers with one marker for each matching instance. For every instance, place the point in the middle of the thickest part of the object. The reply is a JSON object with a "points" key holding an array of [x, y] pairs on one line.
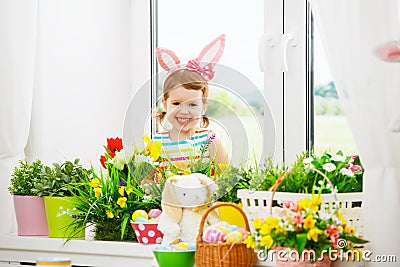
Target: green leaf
{"points": [[301, 240], [356, 240]]}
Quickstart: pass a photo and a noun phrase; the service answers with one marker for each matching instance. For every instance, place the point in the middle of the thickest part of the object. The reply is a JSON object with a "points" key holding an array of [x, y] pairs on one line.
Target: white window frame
{"points": [[286, 90]]}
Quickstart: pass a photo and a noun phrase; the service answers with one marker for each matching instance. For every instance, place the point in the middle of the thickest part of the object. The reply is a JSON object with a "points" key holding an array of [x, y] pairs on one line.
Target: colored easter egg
{"points": [[233, 227], [139, 214], [224, 229], [234, 237], [244, 232], [141, 220], [192, 246], [154, 213], [182, 246], [213, 235]]}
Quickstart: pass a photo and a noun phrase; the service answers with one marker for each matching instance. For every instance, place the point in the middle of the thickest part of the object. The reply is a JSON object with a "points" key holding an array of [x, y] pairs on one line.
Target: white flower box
{"points": [[256, 204]]}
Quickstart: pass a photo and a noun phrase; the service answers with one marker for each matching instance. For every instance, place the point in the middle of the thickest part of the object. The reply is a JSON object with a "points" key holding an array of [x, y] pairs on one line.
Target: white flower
{"points": [[329, 167], [338, 158], [142, 158], [346, 172], [325, 215], [119, 160], [307, 160]]}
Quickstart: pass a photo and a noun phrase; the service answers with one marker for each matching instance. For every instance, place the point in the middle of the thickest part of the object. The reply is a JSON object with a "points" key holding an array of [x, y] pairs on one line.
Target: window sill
{"points": [[16, 249]]}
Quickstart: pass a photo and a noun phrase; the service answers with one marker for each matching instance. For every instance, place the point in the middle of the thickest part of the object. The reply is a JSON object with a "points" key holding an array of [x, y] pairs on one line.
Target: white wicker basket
{"points": [[256, 204]]}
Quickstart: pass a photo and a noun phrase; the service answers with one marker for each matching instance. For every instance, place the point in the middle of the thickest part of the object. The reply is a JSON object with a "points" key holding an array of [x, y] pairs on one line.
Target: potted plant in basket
{"points": [[29, 208], [53, 185], [305, 235], [299, 180], [107, 198]]}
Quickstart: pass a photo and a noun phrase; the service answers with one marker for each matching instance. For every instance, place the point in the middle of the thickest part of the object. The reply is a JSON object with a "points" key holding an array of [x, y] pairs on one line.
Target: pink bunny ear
{"points": [[167, 59], [389, 51], [213, 51], [209, 56]]}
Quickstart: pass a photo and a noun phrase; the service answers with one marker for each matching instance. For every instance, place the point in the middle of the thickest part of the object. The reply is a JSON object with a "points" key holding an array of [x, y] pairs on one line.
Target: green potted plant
{"points": [[307, 175], [58, 198], [29, 208], [107, 198]]}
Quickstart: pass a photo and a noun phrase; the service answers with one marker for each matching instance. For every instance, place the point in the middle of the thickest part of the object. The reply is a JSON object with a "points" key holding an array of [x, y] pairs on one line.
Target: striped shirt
{"points": [[185, 150]]}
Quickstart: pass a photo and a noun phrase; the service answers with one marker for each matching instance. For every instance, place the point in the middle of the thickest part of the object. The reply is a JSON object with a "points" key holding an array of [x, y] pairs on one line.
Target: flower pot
{"points": [[147, 233], [286, 257], [31, 216], [61, 225], [110, 230]]}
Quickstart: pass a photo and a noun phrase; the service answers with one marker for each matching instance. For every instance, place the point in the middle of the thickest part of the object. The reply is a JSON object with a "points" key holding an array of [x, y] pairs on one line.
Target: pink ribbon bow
{"points": [[207, 71]]}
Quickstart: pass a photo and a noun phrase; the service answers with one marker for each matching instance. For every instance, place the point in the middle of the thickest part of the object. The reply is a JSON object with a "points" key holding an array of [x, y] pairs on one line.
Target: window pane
{"points": [[186, 27], [331, 131]]}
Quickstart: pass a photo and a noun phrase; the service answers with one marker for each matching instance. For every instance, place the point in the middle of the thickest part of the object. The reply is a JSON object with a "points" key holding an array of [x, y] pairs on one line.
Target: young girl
{"points": [[184, 100]]}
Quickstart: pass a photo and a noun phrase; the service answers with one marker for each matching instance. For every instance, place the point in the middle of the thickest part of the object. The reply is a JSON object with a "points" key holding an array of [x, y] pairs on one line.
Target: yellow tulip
{"points": [[250, 242], [313, 234], [155, 150], [315, 202], [146, 139], [257, 223], [265, 229], [304, 204], [267, 241], [272, 221]]}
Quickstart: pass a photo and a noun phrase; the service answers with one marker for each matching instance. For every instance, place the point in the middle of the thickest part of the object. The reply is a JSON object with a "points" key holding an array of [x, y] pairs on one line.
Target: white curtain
{"points": [[65, 82], [369, 90], [17, 57]]}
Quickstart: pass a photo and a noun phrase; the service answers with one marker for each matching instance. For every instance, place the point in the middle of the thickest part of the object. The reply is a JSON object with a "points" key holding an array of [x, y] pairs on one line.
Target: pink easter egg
{"points": [[214, 235], [154, 213], [224, 229]]}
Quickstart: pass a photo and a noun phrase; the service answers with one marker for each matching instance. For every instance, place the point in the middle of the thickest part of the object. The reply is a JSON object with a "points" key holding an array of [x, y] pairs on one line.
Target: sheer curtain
{"points": [[17, 53], [65, 82], [369, 90]]}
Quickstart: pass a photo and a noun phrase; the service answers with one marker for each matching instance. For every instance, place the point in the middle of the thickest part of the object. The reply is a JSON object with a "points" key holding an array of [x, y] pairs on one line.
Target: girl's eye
{"points": [[175, 103], [193, 105]]}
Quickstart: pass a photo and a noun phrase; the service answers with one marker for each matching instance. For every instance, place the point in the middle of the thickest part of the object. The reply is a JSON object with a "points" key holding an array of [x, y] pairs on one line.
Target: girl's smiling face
{"points": [[184, 108]]}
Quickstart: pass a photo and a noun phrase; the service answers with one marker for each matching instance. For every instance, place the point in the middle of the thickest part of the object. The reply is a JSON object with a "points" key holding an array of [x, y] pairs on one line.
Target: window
{"points": [[237, 113], [331, 131], [274, 45]]}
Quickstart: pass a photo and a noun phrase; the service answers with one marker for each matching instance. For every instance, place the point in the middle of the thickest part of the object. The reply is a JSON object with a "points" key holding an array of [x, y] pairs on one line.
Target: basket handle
{"points": [[203, 219], [274, 188]]}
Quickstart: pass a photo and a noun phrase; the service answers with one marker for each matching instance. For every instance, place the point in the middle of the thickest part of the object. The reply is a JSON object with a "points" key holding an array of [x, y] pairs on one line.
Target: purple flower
{"points": [[122, 183]]}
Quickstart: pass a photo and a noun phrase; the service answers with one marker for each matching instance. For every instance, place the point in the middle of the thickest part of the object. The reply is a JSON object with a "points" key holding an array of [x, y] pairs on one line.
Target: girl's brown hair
{"points": [[190, 80]]}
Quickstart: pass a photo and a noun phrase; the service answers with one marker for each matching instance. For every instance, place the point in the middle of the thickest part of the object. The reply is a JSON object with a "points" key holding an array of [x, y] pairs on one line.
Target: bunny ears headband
{"points": [[203, 64]]}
